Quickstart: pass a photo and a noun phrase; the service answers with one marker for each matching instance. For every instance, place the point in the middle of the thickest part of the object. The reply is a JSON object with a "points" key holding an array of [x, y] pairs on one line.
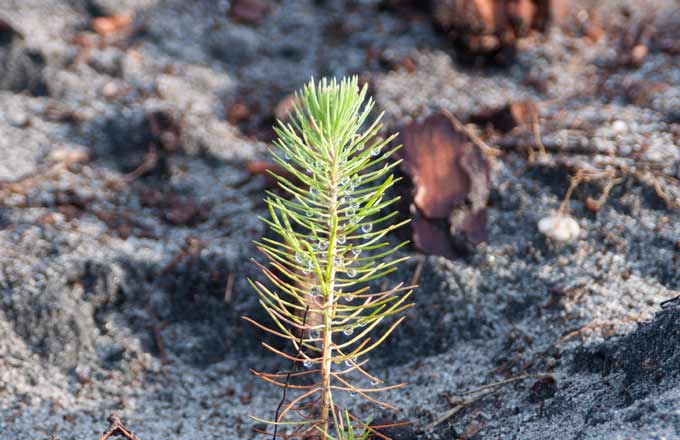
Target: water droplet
{"points": [[314, 333], [356, 252], [305, 272], [314, 291], [343, 200], [310, 264], [352, 393], [344, 181], [342, 238], [310, 214], [340, 263], [307, 363], [348, 362], [375, 382], [351, 273], [323, 245], [286, 156], [348, 330], [375, 151], [299, 257], [367, 227], [362, 324]]}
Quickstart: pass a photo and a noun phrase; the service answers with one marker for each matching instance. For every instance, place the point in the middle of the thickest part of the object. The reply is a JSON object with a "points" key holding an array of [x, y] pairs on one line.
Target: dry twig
{"points": [[117, 429], [486, 148], [477, 394], [596, 325]]}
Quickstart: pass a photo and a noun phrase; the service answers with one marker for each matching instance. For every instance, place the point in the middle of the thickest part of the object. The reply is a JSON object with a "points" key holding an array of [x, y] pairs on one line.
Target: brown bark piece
{"points": [[491, 27], [450, 180]]}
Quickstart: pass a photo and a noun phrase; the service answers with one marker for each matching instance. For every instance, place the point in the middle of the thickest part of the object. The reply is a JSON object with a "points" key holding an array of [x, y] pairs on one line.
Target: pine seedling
{"points": [[331, 226]]}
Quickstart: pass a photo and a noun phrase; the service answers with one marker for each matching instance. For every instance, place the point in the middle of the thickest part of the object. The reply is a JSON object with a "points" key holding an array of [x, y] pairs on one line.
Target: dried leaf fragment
{"points": [[112, 24], [450, 180], [504, 119]]}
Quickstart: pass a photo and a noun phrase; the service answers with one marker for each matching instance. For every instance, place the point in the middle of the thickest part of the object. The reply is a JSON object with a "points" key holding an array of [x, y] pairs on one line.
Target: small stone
{"points": [[619, 126], [17, 118], [559, 227]]}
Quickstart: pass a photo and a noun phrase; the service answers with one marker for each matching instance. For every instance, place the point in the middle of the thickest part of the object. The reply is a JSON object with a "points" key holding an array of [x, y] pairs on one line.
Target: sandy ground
{"points": [[112, 284]]}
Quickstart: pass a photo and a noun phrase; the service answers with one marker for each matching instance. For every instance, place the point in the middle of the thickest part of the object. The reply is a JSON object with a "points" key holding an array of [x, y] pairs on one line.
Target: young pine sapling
{"points": [[331, 226]]}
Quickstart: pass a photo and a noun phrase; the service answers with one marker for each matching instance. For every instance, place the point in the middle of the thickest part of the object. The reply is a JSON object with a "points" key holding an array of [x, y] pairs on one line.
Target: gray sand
{"points": [[92, 264]]}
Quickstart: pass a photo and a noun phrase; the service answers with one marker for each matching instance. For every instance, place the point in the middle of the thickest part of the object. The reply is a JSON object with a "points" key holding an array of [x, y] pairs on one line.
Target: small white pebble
{"points": [[68, 154], [559, 227], [619, 126], [17, 118]]}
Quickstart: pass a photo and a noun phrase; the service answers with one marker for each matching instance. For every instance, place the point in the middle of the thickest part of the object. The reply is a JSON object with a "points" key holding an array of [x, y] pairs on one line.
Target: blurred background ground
{"points": [[128, 207]]}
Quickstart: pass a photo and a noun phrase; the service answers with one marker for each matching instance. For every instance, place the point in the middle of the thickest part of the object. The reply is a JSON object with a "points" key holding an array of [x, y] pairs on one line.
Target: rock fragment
{"points": [[559, 227]]}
